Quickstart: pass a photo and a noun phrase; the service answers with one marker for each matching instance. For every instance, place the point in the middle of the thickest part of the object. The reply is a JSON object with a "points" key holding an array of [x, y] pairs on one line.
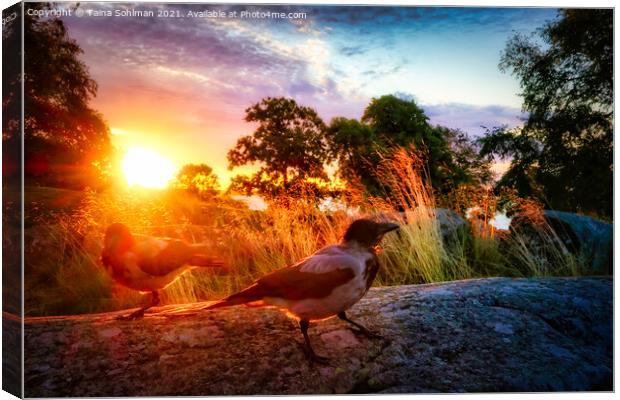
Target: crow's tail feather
{"points": [[203, 260], [249, 295]]}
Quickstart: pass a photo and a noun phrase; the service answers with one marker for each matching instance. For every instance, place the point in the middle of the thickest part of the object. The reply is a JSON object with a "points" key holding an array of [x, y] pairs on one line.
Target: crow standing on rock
{"points": [[149, 264], [322, 285]]}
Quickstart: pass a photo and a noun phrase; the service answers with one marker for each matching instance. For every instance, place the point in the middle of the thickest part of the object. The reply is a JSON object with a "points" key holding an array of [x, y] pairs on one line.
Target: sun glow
{"points": [[146, 168]]}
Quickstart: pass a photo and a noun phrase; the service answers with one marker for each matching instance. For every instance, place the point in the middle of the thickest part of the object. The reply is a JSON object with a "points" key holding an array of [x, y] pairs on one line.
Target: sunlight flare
{"points": [[146, 168]]}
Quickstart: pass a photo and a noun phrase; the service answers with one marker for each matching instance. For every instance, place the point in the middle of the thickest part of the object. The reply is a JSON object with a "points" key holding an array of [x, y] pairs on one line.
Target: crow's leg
{"points": [[360, 328], [303, 325], [140, 312]]}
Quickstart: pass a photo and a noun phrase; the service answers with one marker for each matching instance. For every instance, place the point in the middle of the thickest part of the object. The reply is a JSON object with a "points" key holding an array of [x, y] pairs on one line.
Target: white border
{"points": [[508, 3]]}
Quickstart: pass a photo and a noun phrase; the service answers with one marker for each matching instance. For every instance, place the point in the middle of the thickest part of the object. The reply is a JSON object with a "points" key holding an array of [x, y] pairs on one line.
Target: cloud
{"points": [[232, 59], [353, 50], [265, 57], [471, 118], [303, 88], [359, 19]]}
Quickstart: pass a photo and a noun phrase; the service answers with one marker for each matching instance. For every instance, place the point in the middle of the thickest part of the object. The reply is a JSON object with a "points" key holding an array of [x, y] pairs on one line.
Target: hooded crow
{"points": [[323, 285], [149, 264]]}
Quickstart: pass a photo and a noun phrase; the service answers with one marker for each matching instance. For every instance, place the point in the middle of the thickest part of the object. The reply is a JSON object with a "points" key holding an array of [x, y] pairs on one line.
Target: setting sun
{"points": [[146, 168]]}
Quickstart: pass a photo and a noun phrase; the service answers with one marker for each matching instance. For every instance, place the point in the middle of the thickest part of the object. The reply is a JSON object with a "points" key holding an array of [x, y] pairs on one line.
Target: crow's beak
{"points": [[389, 227]]}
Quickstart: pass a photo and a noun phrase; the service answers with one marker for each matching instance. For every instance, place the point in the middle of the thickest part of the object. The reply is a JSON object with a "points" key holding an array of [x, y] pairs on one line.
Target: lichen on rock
{"points": [[486, 335]]}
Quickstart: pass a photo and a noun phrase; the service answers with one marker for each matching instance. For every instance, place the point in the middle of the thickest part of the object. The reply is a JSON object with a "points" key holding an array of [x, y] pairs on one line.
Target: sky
{"points": [[180, 86]]}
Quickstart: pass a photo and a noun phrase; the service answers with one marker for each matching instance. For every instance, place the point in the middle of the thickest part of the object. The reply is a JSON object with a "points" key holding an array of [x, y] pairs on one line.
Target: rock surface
{"points": [[498, 334], [450, 223]]}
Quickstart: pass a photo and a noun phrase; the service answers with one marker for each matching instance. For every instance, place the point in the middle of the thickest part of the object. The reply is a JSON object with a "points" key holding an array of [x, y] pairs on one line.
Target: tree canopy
{"points": [[293, 147], [564, 153], [198, 179], [67, 143], [288, 144], [390, 122]]}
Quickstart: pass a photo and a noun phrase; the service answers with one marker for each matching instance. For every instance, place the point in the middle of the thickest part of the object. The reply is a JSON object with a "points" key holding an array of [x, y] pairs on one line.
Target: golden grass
{"points": [[62, 254]]}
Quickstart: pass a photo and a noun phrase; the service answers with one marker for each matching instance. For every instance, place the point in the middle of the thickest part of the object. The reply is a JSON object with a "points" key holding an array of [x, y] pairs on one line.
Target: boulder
{"points": [[594, 238], [487, 335], [590, 239], [450, 223]]}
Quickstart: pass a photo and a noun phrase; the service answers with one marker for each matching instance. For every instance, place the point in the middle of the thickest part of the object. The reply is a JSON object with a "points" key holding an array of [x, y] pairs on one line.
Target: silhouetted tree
{"points": [[198, 179], [288, 145], [564, 153], [471, 167], [67, 143]]}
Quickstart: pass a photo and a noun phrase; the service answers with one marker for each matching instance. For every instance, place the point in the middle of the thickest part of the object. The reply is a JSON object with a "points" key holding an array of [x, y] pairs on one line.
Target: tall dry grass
{"points": [[536, 249], [62, 253], [418, 253]]}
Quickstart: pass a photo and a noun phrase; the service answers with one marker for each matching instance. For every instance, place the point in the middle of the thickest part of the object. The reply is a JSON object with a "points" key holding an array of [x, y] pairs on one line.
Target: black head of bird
{"points": [[368, 233]]}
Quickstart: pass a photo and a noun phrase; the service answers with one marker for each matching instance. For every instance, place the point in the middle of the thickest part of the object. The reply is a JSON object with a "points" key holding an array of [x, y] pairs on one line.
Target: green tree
{"points": [[564, 153], [525, 152], [198, 179], [358, 150], [469, 166], [67, 143], [288, 144], [388, 123], [469, 178]]}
